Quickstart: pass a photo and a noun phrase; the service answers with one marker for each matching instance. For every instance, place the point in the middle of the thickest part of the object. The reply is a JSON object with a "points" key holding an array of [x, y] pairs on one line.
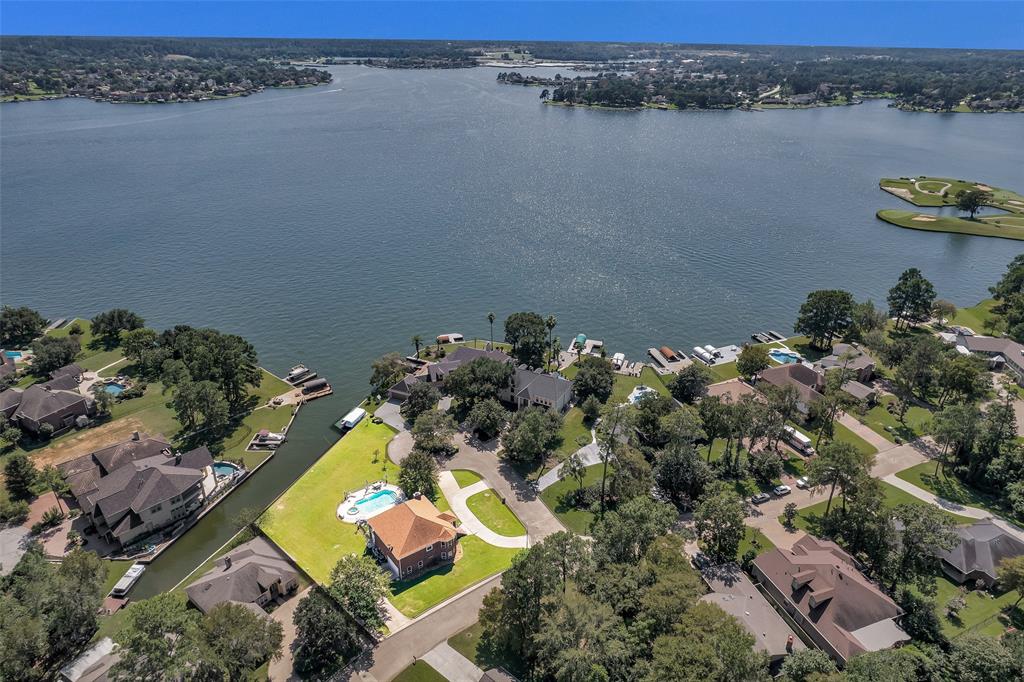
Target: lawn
{"points": [[725, 371], [577, 520], [1005, 226], [472, 644], [840, 434], [270, 387], [753, 539], [976, 316], [494, 514], [272, 419], [479, 560], [420, 671], [951, 488], [980, 616], [893, 496], [879, 420], [303, 521], [465, 477], [573, 428], [115, 571], [624, 385]]}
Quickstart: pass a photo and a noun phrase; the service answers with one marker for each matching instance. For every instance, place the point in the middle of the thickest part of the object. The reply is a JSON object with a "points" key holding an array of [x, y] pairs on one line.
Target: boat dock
{"points": [[668, 361]]}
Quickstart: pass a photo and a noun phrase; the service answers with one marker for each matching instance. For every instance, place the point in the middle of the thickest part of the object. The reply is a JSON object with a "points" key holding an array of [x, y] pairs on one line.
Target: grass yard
{"points": [[303, 521], [272, 419], [980, 616], [879, 420], [975, 316], [807, 516], [420, 671], [725, 371], [115, 571], [840, 434], [494, 514], [577, 520], [479, 560], [753, 539], [572, 430], [472, 644], [465, 477], [951, 488], [624, 385]]}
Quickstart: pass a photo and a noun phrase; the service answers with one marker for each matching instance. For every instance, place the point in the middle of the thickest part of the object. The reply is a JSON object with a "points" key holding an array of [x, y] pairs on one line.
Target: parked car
{"points": [[802, 482], [760, 498], [781, 490]]}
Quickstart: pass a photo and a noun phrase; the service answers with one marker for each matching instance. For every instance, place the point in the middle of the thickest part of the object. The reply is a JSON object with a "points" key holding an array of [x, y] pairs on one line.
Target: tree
{"points": [[527, 332], [691, 383], [490, 322], [977, 658], [709, 645], [972, 200], [479, 379], [752, 360], [360, 586], [20, 476], [683, 426], [591, 408], [487, 418], [574, 468], [944, 310], [53, 352], [433, 432], [715, 415], [1011, 576], [533, 435], [135, 343], [200, 405], [24, 641], [632, 476], [789, 513], [103, 401], [54, 480], [681, 475], [825, 315], [614, 424], [887, 665], [324, 636], [227, 360], [18, 326], [648, 415], [924, 531], [834, 399], [955, 428], [423, 397], [622, 536], [718, 521], [910, 300], [838, 465], [920, 616], [804, 665], [865, 320], [577, 640], [595, 378], [239, 640], [961, 377], [764, 465], [550, 324], [418, 474], [76, 590], [109, 325], [9, 436], [157, 641], [416, 341], [385, 372]]}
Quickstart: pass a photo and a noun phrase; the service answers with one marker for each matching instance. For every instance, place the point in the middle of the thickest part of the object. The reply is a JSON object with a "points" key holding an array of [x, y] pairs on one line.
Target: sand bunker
{"points": [[984, 188], [900, 192], [924, 218], [1015, 202]]}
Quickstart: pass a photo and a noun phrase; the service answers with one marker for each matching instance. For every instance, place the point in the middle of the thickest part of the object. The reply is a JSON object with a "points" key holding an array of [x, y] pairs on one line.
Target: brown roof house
{"points": [[253, 574], [851, 356], [132, 489], [56, 402], [414, 537], [982, 546], [810, 383], [437, 372], [839, 609]]}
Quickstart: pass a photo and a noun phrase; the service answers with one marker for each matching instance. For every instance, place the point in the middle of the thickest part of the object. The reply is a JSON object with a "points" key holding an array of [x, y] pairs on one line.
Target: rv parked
{"points": [[799, 441]]}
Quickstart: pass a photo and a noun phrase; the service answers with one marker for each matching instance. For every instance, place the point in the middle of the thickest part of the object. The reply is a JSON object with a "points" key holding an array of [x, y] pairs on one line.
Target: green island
{"points": [[968, 197]]}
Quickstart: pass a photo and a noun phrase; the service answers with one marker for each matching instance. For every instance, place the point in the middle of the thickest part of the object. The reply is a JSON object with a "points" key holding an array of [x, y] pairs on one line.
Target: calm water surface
{"points": [[328, 225]]}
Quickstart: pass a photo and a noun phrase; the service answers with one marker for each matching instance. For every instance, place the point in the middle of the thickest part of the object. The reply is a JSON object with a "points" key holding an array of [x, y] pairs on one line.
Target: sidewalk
{"points": [[452, 664], [876, 440], [457, 497], [589, 453]]}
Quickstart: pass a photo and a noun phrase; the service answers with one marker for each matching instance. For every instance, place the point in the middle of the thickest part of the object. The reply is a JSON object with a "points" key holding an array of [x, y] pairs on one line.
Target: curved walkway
{"points": [[470, 523], [589, 453]]}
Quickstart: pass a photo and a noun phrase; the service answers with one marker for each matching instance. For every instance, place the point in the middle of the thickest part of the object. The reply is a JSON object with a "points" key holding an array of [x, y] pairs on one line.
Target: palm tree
{"points": [[416, 341], [490, 321], [550, 324]]}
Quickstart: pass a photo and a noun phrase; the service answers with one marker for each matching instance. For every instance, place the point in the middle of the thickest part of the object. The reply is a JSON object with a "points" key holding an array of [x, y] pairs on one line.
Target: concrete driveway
{"points": [[13, 543], [457, 497]]}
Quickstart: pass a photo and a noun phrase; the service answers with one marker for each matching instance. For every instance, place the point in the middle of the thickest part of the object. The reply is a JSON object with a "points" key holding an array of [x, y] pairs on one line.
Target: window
{"points": [[419, 564], [408, 569], [430, 548], [156, 508], [444, 555]]}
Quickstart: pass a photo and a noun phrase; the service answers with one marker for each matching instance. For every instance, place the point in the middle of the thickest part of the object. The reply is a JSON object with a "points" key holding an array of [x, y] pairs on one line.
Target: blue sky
{"points": [[921, 23]]}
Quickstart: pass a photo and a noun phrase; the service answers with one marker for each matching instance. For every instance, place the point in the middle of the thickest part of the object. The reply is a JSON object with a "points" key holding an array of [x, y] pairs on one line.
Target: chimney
{"points": [[177, 458], [227, 562], [135, 435], [417, 495]]}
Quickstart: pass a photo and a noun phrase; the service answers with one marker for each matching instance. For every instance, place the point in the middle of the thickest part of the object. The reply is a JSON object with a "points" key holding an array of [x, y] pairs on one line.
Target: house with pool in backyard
{"points": [[413, 537], [131, 490]]}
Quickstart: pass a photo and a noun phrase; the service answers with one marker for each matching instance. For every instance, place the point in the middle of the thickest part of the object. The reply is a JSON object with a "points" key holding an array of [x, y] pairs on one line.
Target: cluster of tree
{"points": [[1009, 296], [48, 612], [18, 326], [530, 336], [163, 639], [622, 607]]}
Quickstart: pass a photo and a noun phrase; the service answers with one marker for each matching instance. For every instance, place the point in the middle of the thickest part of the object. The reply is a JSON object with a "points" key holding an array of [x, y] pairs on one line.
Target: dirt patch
{"points": [[900, 192], [984, 188], [88, 441], [924, 218]]}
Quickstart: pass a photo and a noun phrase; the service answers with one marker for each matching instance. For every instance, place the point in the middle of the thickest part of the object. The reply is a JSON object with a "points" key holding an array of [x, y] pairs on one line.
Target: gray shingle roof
{"points": [[9, 400], [41, 400], [982, 546], [72, 370], [532, 386], [254, 567]]}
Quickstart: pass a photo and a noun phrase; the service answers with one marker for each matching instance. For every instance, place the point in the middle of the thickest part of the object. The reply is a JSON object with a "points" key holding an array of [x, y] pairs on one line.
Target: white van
{"points": [[798, 440]]}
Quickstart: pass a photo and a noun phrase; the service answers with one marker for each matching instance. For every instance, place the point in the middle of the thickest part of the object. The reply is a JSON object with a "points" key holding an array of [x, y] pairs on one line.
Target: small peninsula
{"points": [[968, 197]]}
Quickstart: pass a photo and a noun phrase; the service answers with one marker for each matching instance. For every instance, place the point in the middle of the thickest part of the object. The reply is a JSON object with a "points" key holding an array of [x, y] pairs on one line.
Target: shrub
{"points": [[51, 517], [14, 511], [45, 431], [75, 329]]}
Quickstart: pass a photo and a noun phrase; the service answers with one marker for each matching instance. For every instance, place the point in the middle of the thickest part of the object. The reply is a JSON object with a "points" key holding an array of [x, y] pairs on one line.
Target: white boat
{"points": [[128, 580], [299, 373]]}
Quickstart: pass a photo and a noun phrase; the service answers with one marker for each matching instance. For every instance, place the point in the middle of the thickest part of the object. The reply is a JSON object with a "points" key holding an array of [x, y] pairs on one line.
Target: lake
{"points": [[330, 225]]}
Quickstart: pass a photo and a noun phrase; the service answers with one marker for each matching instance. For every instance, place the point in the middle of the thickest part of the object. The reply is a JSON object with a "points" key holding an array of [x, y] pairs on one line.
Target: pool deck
{"points": [[353, 499]]}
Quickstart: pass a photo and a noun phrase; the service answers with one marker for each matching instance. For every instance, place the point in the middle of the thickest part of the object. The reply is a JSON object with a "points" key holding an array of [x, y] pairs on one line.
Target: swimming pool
{"points": [[112, 388], [224, 468], [13, 354], [785, 357], [378, 501]]}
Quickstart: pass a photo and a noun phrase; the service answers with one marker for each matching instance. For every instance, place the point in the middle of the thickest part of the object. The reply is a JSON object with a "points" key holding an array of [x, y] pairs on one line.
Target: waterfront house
{"points": [[437, 372], [853, 358], [1002, 354], [10, 399], [72, 370], [253, 574], [56, 402], [413, 537], [820, 587], [132, 489], [976, 557], [810, 384]]}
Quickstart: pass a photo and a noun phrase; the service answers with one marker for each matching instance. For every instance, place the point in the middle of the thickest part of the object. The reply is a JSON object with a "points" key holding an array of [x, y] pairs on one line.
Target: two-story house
{"points": [[413, 537]]}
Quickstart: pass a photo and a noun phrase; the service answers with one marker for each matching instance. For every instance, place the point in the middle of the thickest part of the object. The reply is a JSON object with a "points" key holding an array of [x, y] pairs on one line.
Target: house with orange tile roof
{"points": [[414, 537]]}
